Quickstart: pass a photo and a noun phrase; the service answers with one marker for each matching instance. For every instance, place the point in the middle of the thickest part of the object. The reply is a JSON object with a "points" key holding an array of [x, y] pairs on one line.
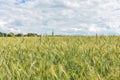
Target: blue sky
{"points": [[65, 17]]}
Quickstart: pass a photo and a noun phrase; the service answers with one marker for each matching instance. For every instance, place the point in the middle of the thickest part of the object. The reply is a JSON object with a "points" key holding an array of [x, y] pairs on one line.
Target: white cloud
{"points": [[62, 16], [2, 23], [71, 3], [113, 24], [76, 29]]}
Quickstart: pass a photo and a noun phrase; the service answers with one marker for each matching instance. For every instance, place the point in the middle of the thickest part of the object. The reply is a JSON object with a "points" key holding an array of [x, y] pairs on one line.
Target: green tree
{"points": [[52, 33], [19, 35], [32, 34], [11, 34], [1, 34]]}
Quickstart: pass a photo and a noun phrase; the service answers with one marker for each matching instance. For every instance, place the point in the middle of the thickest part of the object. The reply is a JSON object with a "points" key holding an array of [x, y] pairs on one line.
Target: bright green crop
{"points": [[60, 58]]}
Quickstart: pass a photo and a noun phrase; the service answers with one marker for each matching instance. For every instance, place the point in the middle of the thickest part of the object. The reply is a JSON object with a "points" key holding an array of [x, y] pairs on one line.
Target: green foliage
{"points": [[19, 35], [52, 33], [3, 34], [11, 34], [60, 58], [31, 34]]}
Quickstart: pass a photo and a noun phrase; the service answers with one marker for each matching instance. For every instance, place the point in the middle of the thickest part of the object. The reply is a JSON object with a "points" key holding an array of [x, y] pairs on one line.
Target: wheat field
{"points": [[60, 58]]}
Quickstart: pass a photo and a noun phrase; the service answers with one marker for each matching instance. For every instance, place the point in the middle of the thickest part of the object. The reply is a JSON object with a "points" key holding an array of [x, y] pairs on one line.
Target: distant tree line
{"points": [[11, 34]]}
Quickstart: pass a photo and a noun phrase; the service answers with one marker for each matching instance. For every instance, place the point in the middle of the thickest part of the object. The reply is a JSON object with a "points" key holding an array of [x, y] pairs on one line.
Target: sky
{"points": [[64, 17]]}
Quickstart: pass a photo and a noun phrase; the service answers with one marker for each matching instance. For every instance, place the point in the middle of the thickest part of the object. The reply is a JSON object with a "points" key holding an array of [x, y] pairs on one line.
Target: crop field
{"points": [[60, 58]]}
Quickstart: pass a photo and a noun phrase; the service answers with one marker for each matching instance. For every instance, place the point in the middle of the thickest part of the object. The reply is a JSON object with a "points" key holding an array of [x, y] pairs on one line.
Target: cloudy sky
{"points": [[68, 17]]}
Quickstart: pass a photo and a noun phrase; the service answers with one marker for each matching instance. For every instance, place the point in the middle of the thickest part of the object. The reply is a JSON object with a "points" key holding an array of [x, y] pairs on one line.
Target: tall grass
{"points": [[60, 58]]}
